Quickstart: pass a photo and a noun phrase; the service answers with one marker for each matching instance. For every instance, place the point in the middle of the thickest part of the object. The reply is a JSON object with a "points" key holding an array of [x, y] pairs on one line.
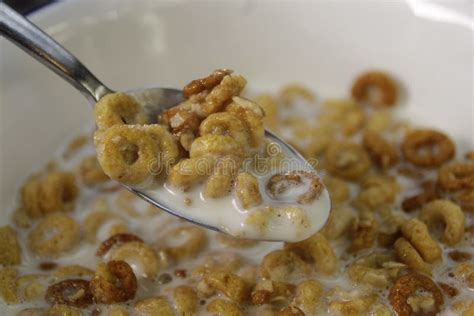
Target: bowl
{"points": [[323, 44]]}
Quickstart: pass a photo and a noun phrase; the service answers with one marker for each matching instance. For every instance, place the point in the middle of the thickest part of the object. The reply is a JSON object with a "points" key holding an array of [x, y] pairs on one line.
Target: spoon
{"points": [[46, 50]]}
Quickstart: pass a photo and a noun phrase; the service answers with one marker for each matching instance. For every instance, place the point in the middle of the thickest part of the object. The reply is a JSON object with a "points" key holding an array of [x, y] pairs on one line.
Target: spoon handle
{"points": [[43, 48]]}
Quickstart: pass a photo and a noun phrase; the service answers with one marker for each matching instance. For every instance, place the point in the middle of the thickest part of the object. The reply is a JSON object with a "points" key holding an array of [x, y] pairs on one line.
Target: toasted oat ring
{"points": [[218, 145], [190, 171], [347, 160], [206, 83], [450, 213], [382, 152], [457, 176], [407, 254], [406, 286], [441, 148], [386, 89], [417, 233], [465, 198], [118, 109], [247, 190], [126, 153], [230, 86], [72, 292], [114, 282], [115, 240], [224, 123], [196, 240], [144, 258], [280, 182], [54, 234]]}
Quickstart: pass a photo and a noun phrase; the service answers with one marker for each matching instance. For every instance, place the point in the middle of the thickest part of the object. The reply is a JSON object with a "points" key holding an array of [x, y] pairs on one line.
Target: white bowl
{"points": [[147, 43]]}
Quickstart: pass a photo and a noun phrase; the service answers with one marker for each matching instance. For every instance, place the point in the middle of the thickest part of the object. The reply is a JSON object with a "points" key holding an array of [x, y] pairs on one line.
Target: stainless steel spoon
{"points": [[46, 50]]}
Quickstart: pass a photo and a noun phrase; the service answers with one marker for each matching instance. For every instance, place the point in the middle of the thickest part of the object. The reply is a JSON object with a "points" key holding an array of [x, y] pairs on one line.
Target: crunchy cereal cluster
{"points": [[398, 240]]}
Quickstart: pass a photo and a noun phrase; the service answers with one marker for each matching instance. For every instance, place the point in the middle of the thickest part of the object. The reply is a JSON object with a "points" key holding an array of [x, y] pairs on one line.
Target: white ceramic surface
{"points": [[139, 43]]}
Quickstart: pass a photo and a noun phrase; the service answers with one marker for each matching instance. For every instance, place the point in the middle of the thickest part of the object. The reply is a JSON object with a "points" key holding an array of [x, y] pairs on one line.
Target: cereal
{"points": [[251, 114], [76, 144], [144, 258], [406, 286], [8, 285], [73, 271], [154, 306], [377, 269], [339, 221], [289, 93], [231, 85], [116, 310], [416, 201], [192, 240], [280, 182], [198, 85], [31, 312], [363, 234], [376, 88], [267, 291], [456, 176], [53, 192], [10, 250], [95, 220], [319, 250], [61, 310], [135, 154], [417, 234], [338, 189], [247, 190], [31, 287], [407, 254], [465, 199], [382, 152], [450, 214], [308, 295], [118, 109], [350, 303], [53, 235], [220, 181], [222, 307], [269, 106], [91, 172], [377, 191], [72, 292], [283, 265], [188, 172], [115, 241], [347, 160], [224, 123], [113, 282], [427, 148], [186, 300], [230, 284]]}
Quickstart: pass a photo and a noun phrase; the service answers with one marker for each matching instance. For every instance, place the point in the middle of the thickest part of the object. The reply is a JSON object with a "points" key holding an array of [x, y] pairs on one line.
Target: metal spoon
{"points": [[46, 50]]}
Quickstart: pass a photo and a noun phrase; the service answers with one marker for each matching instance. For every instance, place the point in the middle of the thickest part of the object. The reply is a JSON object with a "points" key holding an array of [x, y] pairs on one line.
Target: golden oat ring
{"points": [[198, 85], [448, 212], [247, 190], [415, 141], [292, 91], [280, 182], [118, 109], [138, 252], [196, 240], [71, 292], [407, 254], [406, 286], [218, 145], [220, 95], [58, 191], [167, 148], [457, 176], [381, 82], [54, 234], [417, 233], [190, 171], [224, 123], [252, 115], [382, 152], [116, 240], [126, 153], [122, 288], [347, 160]]}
